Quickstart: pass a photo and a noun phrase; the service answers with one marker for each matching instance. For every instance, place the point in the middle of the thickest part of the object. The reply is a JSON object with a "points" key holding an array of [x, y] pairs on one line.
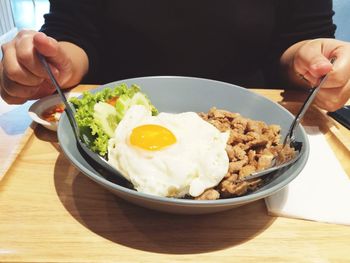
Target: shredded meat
{"points": [[209, 194], [251, 147]]}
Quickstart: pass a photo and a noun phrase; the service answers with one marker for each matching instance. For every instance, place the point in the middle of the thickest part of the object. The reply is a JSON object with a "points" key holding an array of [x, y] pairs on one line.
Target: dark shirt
{"points": [[238, 41]]}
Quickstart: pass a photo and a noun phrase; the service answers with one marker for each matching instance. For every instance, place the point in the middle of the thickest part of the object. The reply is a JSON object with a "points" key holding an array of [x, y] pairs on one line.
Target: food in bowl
{"points": [[251, 147], [98, 114], [209, 152], [168, 155], [53, 113], [47, 111]]}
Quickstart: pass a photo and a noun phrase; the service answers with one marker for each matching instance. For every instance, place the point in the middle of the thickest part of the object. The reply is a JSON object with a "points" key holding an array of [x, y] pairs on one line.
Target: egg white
{"points": [[197, 161]]}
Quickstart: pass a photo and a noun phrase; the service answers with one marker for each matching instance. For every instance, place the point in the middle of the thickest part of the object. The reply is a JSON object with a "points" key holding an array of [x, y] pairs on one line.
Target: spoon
{"points": [[289, 138], [81, 140]]}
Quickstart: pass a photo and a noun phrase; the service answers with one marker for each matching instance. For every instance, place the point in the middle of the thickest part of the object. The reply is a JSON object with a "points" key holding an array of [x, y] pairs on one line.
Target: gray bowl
{"points": [[179, 94]]}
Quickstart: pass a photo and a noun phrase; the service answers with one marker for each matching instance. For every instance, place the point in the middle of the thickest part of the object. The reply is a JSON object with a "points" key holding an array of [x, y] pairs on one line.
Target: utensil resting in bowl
{"points": [[289, 138], [81, 140]]}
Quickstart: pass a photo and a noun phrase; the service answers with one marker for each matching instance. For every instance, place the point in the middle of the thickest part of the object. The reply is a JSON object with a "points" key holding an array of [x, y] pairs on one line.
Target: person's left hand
{"points": [[310, 60]]}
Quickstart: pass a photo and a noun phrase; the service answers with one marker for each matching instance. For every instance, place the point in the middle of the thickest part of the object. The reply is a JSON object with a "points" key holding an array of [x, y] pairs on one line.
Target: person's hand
{"points": [[309, 60], [23, 77]]}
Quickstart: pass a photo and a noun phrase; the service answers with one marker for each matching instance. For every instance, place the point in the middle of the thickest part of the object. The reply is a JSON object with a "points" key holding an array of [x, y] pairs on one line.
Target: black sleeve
{"points": [[75, 21], [298, 20]]}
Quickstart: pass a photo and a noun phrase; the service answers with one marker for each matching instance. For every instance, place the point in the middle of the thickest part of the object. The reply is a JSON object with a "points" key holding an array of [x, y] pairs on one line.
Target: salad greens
{"points": [[98, 114]]}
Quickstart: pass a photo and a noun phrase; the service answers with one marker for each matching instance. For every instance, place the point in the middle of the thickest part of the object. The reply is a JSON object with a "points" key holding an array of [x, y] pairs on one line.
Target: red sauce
{"points": [[49, 114]]}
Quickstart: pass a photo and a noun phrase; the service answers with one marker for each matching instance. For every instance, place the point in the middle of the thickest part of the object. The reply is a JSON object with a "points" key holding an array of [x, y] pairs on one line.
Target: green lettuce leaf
{"points": [[97, 119]]}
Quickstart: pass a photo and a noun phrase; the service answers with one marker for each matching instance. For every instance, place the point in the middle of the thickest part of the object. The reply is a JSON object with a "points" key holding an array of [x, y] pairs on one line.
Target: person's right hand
{"points": [[22, 76]]}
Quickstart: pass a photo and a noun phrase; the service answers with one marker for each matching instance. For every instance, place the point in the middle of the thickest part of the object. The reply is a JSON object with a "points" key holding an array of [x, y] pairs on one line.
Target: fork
{"points": [[80, 138], [289, 138]]}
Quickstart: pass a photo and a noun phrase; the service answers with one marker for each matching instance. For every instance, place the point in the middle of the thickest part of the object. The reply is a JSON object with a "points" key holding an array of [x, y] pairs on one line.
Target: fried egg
{"points": [[168, 155]]}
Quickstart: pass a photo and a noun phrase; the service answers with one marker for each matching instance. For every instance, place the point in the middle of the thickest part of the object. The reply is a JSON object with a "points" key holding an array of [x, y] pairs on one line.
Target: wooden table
{"points": [[50, 212]]}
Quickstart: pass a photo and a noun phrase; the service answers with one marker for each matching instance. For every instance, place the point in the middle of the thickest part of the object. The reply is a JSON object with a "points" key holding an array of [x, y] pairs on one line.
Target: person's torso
{"points": [[226, 39]]}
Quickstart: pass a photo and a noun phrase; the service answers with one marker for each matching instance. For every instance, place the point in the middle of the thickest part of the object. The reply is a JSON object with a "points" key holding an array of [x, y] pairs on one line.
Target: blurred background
{"points": [[20, 14], [29, 13], [342, 19]]}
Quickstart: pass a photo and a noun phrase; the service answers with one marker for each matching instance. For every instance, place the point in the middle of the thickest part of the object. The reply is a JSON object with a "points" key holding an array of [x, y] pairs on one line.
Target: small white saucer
{"points": [[37, 109]]}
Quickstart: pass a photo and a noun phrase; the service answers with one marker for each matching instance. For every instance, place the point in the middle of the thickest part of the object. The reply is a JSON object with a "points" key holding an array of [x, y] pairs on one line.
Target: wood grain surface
{"points": [[50, 212]]}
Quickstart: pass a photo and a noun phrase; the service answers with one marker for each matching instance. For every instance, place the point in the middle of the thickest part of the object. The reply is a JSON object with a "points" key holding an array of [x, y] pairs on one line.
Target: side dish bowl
{"points": [[181, 94], [39, 107], [42, 107]]}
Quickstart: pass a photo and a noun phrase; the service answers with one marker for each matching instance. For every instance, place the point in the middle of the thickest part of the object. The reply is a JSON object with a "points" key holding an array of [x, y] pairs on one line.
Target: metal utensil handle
{"points": [[68, 108], [305, 107], [96, 158]]}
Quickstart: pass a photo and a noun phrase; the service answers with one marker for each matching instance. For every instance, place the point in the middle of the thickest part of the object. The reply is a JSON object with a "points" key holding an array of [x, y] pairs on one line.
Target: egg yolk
{"points": [[152, 137]]}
